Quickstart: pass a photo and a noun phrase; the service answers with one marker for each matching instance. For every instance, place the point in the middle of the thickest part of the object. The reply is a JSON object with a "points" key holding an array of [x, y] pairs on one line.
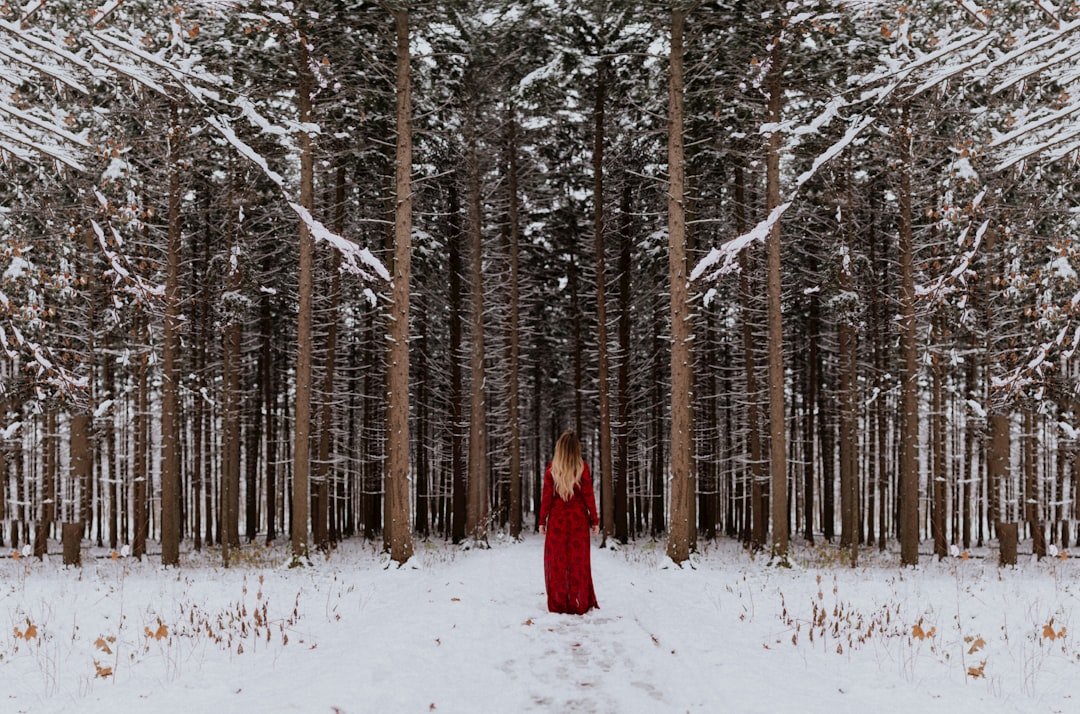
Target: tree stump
{"points": [[71, 538], [1007, 536], [41, 540]]}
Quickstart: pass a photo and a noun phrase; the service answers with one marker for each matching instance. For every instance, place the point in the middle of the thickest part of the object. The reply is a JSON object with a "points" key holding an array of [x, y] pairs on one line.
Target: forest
{"points": [[340, 269]]}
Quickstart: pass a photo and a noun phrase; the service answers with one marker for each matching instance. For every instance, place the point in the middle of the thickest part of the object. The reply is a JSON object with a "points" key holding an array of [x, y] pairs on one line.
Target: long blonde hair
{"points": [[567, 465]]}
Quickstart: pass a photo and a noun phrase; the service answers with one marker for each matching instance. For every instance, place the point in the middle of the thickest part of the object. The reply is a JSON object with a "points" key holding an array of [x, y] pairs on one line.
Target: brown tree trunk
{"points": [[302, 417], [849, 417], [477, 507], [515, 328], [170, 425], [938, 436], [607, 483], [682, 524], [459, 500], [269, 400], [759, 482], [622, 474], [777, 430], [399, 523], [1032, 501], [967, 476], [140, 467], [82, 463], [909, 375], [320, 514], [112, 483]]}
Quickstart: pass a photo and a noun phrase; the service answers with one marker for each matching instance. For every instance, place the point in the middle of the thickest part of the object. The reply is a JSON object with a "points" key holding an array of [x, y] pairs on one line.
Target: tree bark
{"points": [[321, 508], [849, 460], [758, 480], [515, 328], [607, 484], [459, 499], [938, 436], [622, 474], [302, 423], [777, 431], [477, 506], [170, 432], [909, 385], [682, 525], [397, 413]]}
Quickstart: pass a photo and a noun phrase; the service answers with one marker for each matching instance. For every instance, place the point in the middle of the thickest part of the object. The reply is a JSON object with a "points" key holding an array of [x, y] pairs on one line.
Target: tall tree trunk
{"points": [[82, 463], [758, 480], [909, 384], [622, 474], [607, 484], [302, 418], [321, 502], [399, 524], [938, 436], [477, 516], [1032, 501], [967, 476], [269, 400], [424, 487], [849, 417], [777, 431], [170, 432], [656, 489], [140, 467], [112, 483], [459, 500], [515, 339], [682, 437]]}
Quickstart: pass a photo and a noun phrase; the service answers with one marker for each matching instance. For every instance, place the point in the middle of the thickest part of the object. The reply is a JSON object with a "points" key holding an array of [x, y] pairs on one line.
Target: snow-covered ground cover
{"points": [[468, 631]]}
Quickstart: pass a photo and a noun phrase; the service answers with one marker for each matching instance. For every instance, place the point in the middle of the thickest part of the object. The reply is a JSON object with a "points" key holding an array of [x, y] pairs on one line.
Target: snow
{"points": [[467, 630]]}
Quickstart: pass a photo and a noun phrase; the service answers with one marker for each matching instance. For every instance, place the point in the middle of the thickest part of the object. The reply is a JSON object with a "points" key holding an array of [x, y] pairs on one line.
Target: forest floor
{"points": [[466, 630]]}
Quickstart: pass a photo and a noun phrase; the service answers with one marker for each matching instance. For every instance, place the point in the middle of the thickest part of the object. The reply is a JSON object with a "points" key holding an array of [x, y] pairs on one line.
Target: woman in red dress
{"points": [[567, 513]]}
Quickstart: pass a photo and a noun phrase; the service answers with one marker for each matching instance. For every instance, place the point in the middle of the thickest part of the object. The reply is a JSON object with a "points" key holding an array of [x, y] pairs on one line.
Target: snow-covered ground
{"points": [[468, 631]]}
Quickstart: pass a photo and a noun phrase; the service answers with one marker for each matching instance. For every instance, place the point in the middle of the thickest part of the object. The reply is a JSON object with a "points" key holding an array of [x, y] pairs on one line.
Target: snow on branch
{"points": [[134, 283], [1031, 47], [1027, 152], [53, 152], [49, 47], [1034, 125], [942, 285], [53, 71], [728, 253], [354, 255], [1069, 51], [77, 139]]}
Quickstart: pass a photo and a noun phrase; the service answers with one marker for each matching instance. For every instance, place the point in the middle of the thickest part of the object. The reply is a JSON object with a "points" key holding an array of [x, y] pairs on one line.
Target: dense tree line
{"points": [[320, 270]]}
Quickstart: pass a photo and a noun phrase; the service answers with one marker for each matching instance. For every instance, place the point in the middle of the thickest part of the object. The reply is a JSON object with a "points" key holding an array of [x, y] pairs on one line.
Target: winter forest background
{"points": [[326, 270]]}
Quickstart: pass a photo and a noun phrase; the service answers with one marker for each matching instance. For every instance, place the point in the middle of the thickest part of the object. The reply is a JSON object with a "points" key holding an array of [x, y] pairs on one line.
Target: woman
{"points": [[567, 511]]}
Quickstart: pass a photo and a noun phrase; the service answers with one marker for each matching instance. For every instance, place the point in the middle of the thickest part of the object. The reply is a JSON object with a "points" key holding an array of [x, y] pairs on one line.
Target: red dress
{"points": [[567, 570]]}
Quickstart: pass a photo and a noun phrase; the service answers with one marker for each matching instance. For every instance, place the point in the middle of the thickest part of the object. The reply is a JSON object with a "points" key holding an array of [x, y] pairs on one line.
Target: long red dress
{"points": [[567, 568]]}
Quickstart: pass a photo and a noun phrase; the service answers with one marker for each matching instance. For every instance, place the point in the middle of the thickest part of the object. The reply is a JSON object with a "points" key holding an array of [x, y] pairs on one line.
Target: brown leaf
{"points": [[102, 645], [977, 645]]}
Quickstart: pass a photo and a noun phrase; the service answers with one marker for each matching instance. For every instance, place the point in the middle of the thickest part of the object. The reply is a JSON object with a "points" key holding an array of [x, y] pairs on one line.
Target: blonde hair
{"points": [[567, 465]]}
